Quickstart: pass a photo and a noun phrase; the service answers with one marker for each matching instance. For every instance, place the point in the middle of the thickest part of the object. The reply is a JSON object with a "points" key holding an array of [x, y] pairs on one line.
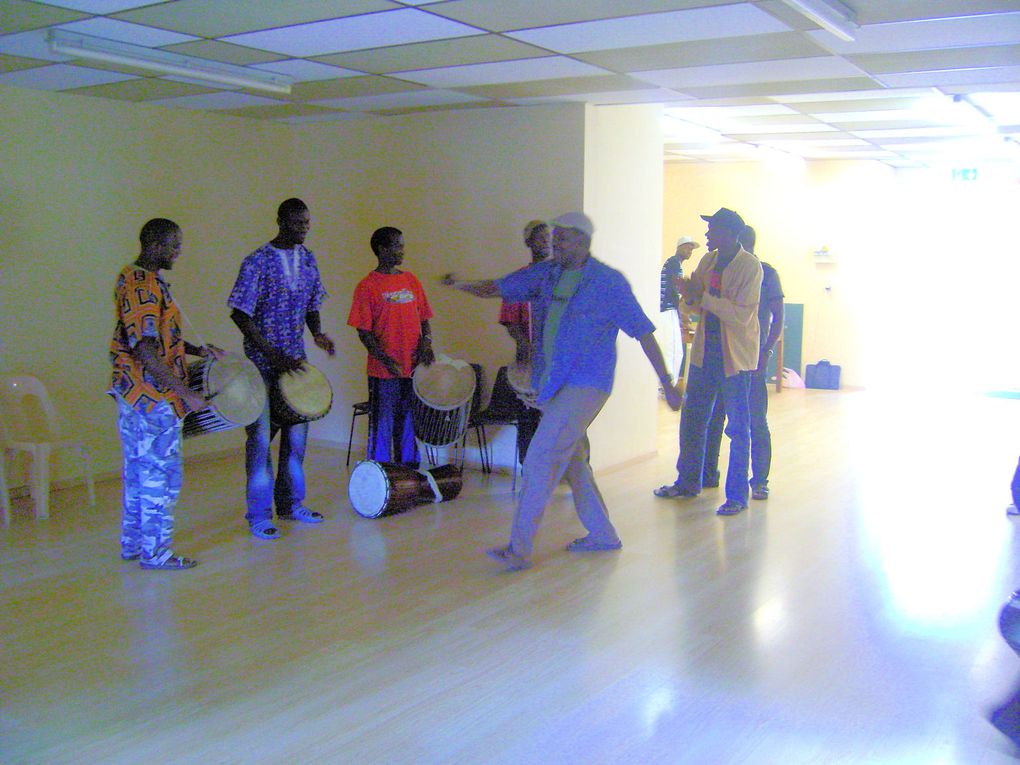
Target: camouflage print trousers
{"points": [[152, 479]]}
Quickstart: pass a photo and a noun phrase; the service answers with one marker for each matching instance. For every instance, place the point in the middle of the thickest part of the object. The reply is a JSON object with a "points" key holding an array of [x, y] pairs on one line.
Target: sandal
{"points": [[265, 530], [509, 558], [130, 556], [587, 544], [672, 491], [171, 563], [731, 507], [302, 514]]}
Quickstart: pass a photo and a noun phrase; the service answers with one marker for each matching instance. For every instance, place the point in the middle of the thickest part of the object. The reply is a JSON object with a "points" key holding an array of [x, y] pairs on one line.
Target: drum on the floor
{"points": [[378, 489]]}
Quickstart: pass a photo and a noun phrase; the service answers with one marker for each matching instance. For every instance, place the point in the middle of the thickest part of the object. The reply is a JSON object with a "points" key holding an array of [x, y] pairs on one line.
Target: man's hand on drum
{"points": [[282, 364], [424, 354], [325, 342], [195, 401]]}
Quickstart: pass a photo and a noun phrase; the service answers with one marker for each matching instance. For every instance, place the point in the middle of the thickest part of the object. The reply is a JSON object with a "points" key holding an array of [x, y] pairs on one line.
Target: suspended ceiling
{"points": [[923, 81]]}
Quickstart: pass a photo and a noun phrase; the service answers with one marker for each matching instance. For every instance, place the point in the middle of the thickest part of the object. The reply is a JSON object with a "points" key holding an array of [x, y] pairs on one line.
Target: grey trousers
{"points": [[560, 448]]}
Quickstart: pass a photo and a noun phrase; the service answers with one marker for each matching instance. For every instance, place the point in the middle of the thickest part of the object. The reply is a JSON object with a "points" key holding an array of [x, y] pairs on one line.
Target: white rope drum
{"points": [[442, 400]]}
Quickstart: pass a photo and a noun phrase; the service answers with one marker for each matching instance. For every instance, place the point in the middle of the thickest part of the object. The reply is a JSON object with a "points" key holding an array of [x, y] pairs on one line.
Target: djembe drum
{"points": [[378, 489], [300, 396], [519, 377], [236, 393], [442, 401]]}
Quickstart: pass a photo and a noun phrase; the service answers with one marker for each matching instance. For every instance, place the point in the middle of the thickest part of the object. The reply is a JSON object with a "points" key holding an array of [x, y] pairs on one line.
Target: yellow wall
{"points": [[623, 195], [79, 177], [796, 209]]}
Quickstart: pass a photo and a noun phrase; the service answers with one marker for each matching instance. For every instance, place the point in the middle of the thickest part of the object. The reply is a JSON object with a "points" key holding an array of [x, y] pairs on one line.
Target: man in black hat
{"points": [[724, 289]]}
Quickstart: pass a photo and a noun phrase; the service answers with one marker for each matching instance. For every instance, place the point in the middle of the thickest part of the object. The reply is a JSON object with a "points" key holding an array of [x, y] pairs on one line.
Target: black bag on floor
{"points": [[822, 375]]}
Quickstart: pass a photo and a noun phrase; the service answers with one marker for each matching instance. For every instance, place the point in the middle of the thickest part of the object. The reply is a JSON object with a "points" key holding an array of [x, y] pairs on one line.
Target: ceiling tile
{"points": [[349, 87], [218, 18], [121, 31], [373, 30], [21, 15], [564, 86], [506, 15], [882, 11], [280, 111], [14, 63], [552, 67], [214, 50], [142, 89], [952, 77], [773, 89], [29, 45], [765, 47], [99, 6], [827, 67], [611, 97], [306, 71], [654, 29], [934, 60], [997, 29], [431, 55], [414, 98], [217, 101], [59, 77]]}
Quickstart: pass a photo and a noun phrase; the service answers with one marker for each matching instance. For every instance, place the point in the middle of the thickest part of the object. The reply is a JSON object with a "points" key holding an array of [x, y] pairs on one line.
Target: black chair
{"points": [[503, 409], [358, 409]]}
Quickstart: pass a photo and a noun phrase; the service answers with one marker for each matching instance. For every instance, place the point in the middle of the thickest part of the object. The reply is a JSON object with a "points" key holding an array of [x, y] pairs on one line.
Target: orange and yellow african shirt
{"points": [[145, 308]]}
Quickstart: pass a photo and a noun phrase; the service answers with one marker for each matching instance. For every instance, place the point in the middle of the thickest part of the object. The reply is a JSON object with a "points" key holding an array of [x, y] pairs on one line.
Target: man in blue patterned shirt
{"points": [[277, 293]]}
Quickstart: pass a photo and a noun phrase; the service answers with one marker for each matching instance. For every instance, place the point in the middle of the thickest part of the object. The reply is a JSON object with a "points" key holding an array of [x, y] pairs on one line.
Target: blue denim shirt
{"points": [[585, 352]]}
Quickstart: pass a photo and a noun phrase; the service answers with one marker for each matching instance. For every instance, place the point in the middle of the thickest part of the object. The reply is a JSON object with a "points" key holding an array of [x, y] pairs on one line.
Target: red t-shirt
{"points": [[391, 307]]}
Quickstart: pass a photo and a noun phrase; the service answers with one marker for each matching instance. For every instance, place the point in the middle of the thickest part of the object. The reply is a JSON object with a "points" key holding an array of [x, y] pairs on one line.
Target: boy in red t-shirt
{"points": [[391, 313]]}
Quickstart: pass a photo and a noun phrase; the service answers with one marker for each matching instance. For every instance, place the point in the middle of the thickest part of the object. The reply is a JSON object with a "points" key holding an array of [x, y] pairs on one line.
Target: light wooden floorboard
{"points": [[851, 618]]}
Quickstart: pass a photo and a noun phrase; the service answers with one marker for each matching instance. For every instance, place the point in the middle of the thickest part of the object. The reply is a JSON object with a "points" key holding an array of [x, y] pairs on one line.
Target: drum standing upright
{"points": [[236, 391], [442, 401]]}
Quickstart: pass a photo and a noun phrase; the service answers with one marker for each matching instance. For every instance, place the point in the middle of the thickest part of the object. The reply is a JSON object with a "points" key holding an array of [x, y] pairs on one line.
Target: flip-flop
{"points": [[173, 563], [265, 530], [509, 558], [303, 515]]}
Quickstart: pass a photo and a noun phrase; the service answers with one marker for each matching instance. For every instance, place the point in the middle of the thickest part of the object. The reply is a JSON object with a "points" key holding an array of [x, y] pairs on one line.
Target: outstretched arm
{"points": [[483, 288]]}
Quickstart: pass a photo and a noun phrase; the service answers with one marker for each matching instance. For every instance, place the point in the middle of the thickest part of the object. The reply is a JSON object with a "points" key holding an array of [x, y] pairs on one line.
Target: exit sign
{"points": [[965, 174]]}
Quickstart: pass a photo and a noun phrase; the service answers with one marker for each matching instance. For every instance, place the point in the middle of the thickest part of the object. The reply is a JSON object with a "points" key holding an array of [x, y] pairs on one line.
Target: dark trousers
{"points": [[761, 437], [706, 384], [391, 437]]}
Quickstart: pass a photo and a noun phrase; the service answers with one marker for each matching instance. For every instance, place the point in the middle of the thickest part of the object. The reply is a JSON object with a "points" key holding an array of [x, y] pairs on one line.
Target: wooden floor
{"points": [[851, 618]]}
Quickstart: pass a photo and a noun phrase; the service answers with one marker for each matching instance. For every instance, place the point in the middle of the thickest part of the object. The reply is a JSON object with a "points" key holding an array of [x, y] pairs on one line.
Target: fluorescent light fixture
{"points": [[91, 48], [830, 15]]}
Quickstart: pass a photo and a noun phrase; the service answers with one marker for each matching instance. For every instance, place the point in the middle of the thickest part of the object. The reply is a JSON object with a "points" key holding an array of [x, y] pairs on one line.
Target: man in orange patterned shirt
{"points": [[150, 387]]}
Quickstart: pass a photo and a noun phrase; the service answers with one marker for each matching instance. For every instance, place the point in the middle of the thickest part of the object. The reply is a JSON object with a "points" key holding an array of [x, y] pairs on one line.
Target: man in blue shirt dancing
{"points": [[579, 304]]}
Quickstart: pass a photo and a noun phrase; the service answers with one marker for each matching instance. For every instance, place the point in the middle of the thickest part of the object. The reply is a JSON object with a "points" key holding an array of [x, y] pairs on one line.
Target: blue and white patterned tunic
{"points": [[277, 288]]}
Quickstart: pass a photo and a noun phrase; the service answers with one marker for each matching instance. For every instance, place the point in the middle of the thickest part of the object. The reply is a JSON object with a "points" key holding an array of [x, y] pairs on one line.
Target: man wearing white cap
{"points": [[672, 271], [579, 305]]}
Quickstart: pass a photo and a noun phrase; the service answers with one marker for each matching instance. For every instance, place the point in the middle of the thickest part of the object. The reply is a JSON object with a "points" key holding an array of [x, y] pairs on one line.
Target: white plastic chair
{"points": [[36, 429]]}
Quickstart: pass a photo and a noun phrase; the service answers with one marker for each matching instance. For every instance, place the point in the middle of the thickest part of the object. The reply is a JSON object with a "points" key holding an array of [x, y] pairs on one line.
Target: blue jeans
{"points": [[761, 437], [289, 487], [704, 385], [391, 436]]}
